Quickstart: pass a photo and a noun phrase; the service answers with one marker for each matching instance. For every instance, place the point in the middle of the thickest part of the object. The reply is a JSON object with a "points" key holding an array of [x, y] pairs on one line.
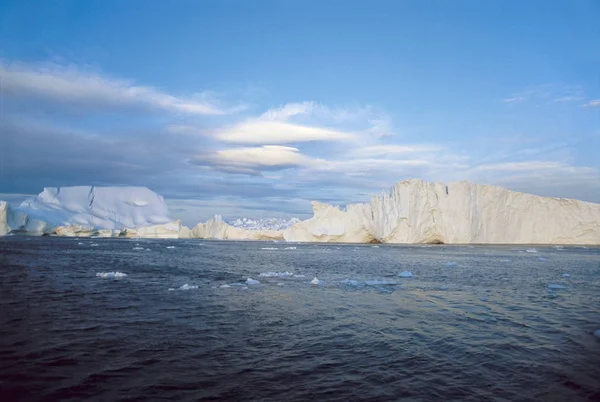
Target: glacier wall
{"points": [[416, 211]]}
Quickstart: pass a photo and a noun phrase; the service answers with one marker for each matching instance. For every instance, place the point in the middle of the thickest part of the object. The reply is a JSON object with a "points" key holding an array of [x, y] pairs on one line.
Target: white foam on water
{"points": [[170, 247], [299, 276], [251, 281], [315, 281], [504, 260], [405, 274], [111, 275], [224, 286], [94, 245], [80, 243], [273, 274], [269, 248], [531, 250], [555, 286], [138, 248], [187, 287], [290, 248]]}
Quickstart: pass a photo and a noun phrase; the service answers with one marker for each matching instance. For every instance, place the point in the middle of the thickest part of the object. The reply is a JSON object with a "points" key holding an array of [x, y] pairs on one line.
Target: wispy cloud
{"points": [[514, 99], [593, 103], [82, 88]]}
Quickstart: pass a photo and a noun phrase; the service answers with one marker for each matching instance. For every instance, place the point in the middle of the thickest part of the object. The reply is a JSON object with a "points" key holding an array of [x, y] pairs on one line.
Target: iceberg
{"points": [[86, 211]]}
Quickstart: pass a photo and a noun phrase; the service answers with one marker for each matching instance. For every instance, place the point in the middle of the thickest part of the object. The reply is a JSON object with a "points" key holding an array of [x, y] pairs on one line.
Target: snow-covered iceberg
{"points": [[88, 210]]}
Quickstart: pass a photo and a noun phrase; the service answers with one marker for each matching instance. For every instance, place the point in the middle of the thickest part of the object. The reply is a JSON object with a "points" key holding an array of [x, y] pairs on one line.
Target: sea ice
{"points": [[111, 275], [272, 274], [251, 281], [531, 250], [224, 286], [315, 281], [299, 276], [138, 248], [543, 259], [405, 274], [289, 248], [566, 275], [269, 248], [94, 245], [188, 287], [170, 246]]}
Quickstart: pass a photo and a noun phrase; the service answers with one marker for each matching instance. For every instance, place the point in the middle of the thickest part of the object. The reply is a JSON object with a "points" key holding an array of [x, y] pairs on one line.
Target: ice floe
{"points": [[315, 281], [556, 286], [290, 248], [94, 245], [111, 275], [224, 286], [565, 275], [187, 287], [251, 281], [269, 248], [273, 274], [170, 247], [405, 274], [531, 250], [138, 248]]}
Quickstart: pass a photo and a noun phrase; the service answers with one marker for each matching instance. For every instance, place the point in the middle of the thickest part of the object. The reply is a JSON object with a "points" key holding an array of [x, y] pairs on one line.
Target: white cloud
{"points": [[514, 99], [71, 85], [276, 132], [593, 103], [568, 99], [253, 160]]}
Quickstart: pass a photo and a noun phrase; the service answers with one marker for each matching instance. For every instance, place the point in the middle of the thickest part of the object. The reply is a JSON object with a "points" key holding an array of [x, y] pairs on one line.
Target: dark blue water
{"points": [[473, 324]]}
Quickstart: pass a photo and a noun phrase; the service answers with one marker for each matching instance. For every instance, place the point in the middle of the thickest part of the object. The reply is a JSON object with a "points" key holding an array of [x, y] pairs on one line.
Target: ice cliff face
{"points": [[216, 228], [88, 210], [416, 211]]}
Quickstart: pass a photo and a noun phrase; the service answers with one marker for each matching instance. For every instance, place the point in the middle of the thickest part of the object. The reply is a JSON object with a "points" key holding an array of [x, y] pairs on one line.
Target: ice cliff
{"points": [[416, 211], [89, 210]]}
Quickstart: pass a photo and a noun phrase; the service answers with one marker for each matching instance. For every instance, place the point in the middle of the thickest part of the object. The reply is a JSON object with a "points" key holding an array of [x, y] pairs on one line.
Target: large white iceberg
{"points": [[89, 210]]}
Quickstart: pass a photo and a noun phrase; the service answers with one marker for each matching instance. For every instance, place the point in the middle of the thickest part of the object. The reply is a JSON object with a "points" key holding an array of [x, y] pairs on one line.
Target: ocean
{"points": [[185, 322]]}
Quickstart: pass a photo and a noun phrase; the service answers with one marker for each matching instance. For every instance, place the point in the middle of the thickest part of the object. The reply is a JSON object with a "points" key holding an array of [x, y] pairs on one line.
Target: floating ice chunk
{"points": [[558, 247], [188, 287], [273, 274], [171, 289], [170, 247], [405, 274], [111, 275], [531, 250], [504, 260], [224, 286], [148, 249], [269, 248], [80, 243], [566, 275], [251, 281], [290, 248], [94, 245], [299, 276], [280, 284], [380, 283], [597, 333], [451, 263], [350, 282], [555, 286], [315, 281], [375, 246], [138, 248]]}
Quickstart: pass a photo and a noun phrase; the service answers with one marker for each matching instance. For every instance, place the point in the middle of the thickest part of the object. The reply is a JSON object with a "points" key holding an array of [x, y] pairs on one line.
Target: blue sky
{"points": [[256, 108]]}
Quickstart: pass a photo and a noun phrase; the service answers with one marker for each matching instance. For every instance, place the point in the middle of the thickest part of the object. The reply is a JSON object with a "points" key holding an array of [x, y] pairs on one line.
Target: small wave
{"points": [[111, 275], [138, 248], [380, 283], [170, 247]]}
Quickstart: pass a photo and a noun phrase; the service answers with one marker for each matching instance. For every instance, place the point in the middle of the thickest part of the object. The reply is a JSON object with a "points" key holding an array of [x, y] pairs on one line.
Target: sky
{"points": [[254, 109]]}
